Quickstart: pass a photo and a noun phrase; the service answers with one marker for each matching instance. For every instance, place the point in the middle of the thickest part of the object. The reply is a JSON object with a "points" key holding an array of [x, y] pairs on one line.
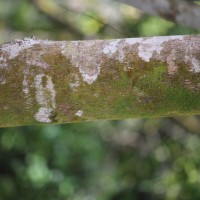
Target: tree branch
{"points": [[58, 82], [54, 12], [177, 11]]}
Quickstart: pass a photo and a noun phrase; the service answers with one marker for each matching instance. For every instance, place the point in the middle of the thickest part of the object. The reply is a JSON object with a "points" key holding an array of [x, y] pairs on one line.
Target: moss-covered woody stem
{"points": [[58, 82]]}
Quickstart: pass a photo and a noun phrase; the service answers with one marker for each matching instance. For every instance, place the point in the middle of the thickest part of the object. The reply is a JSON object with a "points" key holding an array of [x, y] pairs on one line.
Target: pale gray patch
{"points": [[133, 40], [90, 78], [43, 115], [45, 96], [79, 113], [115, 49], [41, 93], [154, 44], [14, 48], [111, 47], [84, 56], [195, 65]]}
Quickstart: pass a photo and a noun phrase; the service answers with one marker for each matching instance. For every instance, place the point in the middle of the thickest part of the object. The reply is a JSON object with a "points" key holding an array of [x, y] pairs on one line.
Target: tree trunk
{"points": [[59, 82]]}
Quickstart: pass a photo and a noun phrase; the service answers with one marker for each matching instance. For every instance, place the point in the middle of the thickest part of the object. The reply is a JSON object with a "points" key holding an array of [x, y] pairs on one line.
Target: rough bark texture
{"points": [[58, 82], [177, 11]]}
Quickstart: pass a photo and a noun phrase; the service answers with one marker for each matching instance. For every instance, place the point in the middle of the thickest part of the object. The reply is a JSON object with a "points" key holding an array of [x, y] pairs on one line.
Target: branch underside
{"points": [[59, 82]]}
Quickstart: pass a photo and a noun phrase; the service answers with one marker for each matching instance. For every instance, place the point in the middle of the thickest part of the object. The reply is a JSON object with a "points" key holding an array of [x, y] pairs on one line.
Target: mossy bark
{"points": [[60, 82]]}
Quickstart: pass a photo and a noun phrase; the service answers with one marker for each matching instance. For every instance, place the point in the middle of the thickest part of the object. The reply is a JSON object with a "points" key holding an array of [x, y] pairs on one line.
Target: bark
{"points": [[178, 11], [58, 82]]}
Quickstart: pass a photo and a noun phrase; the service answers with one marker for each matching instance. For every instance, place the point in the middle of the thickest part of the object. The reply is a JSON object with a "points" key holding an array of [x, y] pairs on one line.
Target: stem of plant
{"points": [[43, 82]]}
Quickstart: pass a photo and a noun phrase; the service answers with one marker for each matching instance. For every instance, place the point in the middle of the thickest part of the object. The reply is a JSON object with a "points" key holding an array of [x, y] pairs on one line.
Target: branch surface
{"points": [[178, 11], [45, 81]]}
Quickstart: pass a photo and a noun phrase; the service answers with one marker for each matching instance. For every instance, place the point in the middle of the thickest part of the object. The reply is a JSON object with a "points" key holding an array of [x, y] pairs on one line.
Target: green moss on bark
{"points": [[50, 82]]}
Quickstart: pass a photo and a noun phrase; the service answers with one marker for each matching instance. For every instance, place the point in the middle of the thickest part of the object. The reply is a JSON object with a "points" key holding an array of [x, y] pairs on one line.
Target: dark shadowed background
{"points": [[103, 160]]}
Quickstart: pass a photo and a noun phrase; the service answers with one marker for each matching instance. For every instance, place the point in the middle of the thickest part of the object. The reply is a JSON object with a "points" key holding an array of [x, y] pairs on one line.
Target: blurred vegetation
{"points": [[103, 160]]}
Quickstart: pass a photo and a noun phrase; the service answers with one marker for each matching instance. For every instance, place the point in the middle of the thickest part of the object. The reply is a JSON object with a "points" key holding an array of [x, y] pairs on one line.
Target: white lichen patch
{"points": [[88, 56], [79, 113], [115, 49], [111, 47], [195, 65], [84, 56], [154, 44], [45, 96], [132, 41], [17, 46], [13, 49], [43, 115], [90, 78]]}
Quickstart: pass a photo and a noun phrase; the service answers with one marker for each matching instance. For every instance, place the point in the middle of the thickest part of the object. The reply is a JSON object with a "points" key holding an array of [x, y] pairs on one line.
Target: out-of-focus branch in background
{"points": [[178, 11]]}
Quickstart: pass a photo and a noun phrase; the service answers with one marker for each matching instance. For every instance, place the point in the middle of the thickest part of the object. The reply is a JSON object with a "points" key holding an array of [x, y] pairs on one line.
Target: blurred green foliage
{"points": [[130, 159], [104, 160]]}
